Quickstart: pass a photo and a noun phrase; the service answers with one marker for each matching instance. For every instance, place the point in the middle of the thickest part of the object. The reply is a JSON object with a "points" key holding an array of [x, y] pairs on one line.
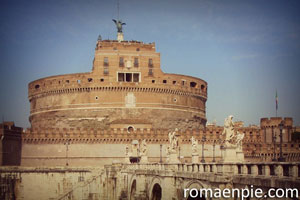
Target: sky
{"points": [[245, 50]]}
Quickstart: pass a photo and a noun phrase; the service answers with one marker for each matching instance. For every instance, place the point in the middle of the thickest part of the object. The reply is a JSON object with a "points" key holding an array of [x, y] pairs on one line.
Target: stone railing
{"points": [[276, 169]]}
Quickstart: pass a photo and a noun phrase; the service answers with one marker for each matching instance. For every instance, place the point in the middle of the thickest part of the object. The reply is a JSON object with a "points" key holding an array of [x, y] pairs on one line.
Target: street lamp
{"points": [[203, 140], [281, 158], [214, 146]]}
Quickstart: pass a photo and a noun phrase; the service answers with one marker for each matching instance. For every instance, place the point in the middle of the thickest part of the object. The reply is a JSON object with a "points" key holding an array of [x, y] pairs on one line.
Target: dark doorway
{"points": [[196, 198], [133, 190], [156, 192]]}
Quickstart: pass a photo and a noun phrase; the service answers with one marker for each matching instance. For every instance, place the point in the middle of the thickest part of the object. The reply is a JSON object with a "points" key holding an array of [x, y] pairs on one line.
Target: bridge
{"points": [[144, 181], [168, 181]]}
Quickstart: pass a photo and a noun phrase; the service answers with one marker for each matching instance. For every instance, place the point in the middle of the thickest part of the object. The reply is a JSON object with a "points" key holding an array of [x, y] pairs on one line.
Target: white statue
{"points": [[173, 140], [143, 151], [194, 145], [228, 130], [239, 139]]}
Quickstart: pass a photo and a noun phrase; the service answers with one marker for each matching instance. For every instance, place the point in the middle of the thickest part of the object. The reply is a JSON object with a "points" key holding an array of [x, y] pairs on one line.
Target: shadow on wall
{"points": [[10, 144]]}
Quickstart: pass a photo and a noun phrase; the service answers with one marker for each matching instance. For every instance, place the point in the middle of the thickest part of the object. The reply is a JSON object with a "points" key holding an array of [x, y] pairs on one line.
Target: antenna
{"points": [[118, 9]]}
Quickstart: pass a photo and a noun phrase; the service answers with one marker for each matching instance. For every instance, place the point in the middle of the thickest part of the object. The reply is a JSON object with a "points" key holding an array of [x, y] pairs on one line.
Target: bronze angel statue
{"points": [[119, 25]]}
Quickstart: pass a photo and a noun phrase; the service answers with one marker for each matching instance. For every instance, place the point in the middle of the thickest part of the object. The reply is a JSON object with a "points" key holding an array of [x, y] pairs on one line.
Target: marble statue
{"points": [[228, 129], [239, 139], [194, 145], [144, 150], [173, 140]]}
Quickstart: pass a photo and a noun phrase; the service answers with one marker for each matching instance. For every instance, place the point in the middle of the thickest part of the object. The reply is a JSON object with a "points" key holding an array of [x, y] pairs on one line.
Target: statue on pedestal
{"points": [[194, 146], [172, 149], [173, 140], [143, 152], [195, 154], [232, 142]]}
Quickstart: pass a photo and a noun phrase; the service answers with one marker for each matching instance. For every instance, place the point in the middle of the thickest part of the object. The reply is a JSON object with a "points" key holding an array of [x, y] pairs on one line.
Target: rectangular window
{"points": [[150, 62], [136, 77], [105, 72], [121, 62], [128, 77], [105, 63], [150, 73], [121, 77], [136, 62]]}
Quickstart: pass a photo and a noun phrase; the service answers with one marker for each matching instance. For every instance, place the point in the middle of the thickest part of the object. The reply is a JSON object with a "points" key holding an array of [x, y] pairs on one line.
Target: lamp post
{"points": [[160, 153], [214, 148], [281, 158], [203, 140]]}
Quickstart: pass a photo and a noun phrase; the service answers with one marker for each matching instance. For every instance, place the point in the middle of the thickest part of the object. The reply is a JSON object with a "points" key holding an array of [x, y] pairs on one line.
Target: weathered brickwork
{"points": [[126, 83]]}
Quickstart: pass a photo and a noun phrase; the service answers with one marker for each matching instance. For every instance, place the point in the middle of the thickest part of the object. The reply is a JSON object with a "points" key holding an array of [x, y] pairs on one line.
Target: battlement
{"points": [[125, 135], [114, 45], [275, 121]]}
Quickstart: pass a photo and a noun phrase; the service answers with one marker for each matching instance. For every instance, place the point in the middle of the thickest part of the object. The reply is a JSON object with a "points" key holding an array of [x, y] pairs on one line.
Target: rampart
{"points": [[126, 83]]}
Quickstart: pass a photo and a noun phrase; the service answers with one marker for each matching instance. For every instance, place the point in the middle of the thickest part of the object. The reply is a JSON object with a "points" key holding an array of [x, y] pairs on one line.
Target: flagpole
{"points": [[276, 101]]}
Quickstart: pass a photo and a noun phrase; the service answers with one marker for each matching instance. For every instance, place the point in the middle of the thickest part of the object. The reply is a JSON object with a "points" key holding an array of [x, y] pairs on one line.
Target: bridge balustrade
{"points": [[291, 169]]}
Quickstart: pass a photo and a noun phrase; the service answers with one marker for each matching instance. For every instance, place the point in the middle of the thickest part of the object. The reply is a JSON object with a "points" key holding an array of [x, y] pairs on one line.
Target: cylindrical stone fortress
{"points": [[126, 84]]}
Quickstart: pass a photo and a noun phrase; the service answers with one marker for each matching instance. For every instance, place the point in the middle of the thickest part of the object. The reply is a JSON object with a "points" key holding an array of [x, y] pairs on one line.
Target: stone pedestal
{"points": [[195, 158], [232, 154], [144, 159], [173, 158], [240, 155], [120, 37]]}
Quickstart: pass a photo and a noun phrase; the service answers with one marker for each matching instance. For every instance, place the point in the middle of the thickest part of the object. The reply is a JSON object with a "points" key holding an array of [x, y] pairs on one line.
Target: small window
{"points": [[136, 77], [164, 81], [96, 97], [174, 82], [153, 81], [150, 73], [136, 62], [105, 72], [150, 62], [102, 80], [37, 86], [130, 129], [193, 84], [121, 62], [67, 81], [202, 87], [175, 100], [121, 77], [128, 77], [78, 81], [105, 61], [90, 79], [182, 82]]}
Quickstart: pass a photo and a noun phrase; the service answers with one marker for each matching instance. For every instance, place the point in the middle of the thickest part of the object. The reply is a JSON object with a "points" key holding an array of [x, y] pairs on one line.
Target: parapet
{"points": [[275, 121]]}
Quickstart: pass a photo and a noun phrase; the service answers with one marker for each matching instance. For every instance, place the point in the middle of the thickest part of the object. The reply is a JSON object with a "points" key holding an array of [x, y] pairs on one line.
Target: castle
{"points": [[87, 119]]}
